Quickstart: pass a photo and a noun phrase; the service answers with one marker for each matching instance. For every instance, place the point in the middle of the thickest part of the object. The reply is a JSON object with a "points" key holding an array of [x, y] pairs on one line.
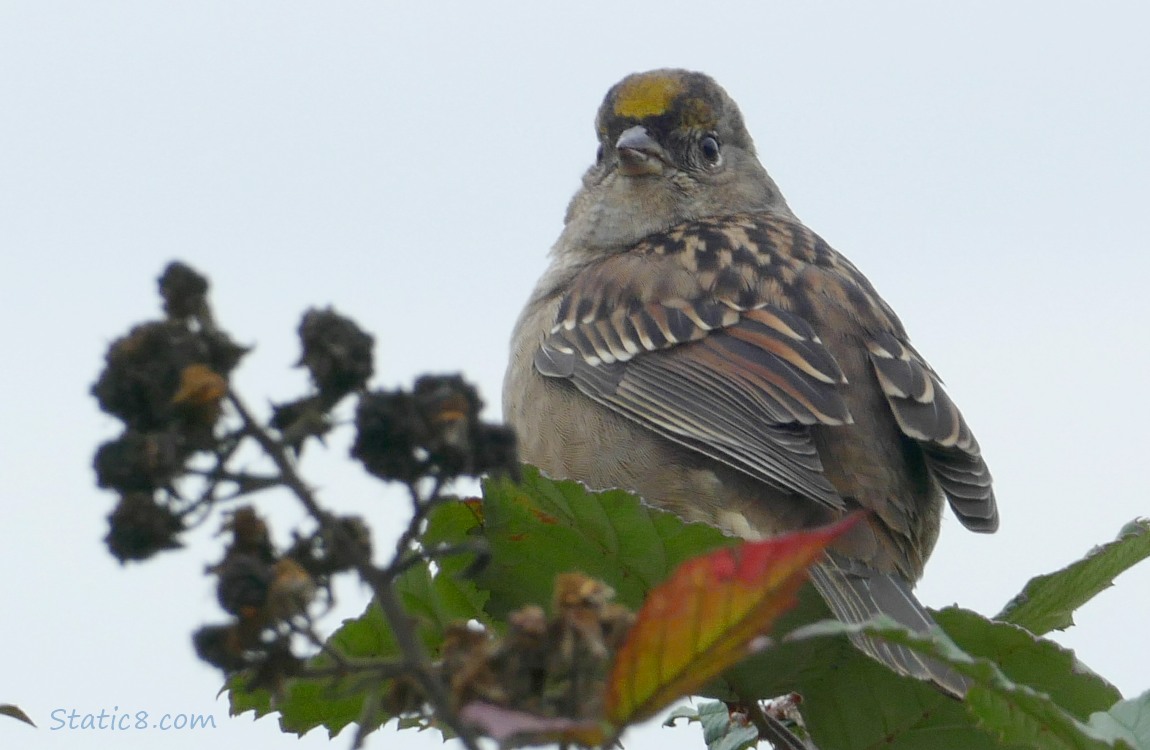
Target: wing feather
{"points": [[926, 413], [699, 334], [741, 389]]}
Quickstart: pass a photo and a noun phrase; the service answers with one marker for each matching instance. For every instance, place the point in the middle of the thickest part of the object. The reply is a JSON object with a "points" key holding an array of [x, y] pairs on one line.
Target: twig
{"points": [[384, 670], [415, 655], [400, 566], [420, 507]]}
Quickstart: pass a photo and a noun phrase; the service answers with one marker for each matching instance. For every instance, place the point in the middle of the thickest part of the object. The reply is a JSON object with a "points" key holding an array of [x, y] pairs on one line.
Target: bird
{"points": [[692, 341]]}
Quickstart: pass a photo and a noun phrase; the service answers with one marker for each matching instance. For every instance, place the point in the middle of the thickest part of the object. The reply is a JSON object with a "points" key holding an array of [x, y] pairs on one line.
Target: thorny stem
{"points": [[313, 638], [400, 566], [384, 670], [370, 707], [416, 658], [771, 729], [420, 507]]}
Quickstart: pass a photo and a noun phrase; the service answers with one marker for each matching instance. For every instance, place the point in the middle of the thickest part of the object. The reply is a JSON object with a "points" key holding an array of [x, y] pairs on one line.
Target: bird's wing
{"points": [[925, 412], [702, 335], [686, 335]]}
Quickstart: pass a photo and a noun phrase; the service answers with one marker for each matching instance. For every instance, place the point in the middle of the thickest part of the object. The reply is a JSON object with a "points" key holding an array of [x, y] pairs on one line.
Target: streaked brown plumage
{"points": [[693, 342]]}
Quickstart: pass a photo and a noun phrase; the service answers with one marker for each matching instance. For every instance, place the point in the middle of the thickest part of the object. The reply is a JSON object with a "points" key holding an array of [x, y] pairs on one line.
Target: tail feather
{"points": [[856, 593]]}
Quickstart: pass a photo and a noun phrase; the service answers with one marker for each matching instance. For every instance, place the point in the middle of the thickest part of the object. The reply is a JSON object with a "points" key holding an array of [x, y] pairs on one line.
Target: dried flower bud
{"points": [[449, 408], [249, 534], [143, 374], [496, 451], [580, 594], [278, 665], [220, 646], [616, 621], [521, 660], [787, 710], [243, 585], [337, 353], [183, 289], [578, 663], [326, 553], [139, 462], [389, 431], [434, 431], [140, 528]]}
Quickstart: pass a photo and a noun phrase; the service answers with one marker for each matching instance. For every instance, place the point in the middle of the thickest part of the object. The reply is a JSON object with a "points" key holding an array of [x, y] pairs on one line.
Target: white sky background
{"points": [[988, 168]]}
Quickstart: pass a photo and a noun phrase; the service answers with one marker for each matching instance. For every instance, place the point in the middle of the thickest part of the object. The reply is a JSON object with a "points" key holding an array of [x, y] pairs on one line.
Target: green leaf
{"points": [[1048, 601], [240, 701], [690, 713], [862, 702], [1030, 660], [721, 733], [1128, 721], [1015, 714], [852, 702], [539, 528], [435, 601]]}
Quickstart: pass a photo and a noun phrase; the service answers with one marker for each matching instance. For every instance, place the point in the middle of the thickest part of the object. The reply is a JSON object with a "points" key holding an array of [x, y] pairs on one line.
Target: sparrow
{"points": [[693, 342]]}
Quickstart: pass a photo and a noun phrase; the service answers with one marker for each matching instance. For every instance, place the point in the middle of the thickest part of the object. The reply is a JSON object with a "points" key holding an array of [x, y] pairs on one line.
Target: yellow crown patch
{"points": [[647, 95]]}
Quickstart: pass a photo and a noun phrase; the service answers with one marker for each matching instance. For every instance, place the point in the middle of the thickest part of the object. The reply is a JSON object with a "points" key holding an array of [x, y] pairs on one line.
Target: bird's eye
{"points": [[599, 154], [709, 146]]}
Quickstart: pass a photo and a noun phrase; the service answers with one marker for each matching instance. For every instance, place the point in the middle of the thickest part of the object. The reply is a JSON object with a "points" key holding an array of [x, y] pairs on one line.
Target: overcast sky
{"points": [[987, 167]]}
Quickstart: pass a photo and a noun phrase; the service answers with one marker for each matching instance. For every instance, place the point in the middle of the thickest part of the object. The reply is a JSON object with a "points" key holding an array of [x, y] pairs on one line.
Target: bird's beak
{"points": [[639, 154]]}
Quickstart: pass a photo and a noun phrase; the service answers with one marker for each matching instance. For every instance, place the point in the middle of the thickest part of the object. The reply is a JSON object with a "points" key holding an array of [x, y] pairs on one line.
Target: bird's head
{"points": [[672, 147]]}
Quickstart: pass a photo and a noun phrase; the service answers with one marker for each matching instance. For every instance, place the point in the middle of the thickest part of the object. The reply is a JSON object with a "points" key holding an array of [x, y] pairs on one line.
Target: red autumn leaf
{"points": [[706, 617]]}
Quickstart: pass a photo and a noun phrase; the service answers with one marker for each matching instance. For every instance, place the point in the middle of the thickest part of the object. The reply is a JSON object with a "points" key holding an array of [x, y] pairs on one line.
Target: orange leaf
{"points": [[706, 617], [200, 386]]}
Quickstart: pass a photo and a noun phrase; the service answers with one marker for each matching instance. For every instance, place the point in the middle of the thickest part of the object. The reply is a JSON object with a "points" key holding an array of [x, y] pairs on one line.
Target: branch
{"points": [[416, 659]]}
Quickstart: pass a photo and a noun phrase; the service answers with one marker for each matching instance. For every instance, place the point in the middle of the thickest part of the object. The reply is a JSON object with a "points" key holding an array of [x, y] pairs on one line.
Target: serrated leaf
{"points": [[1016, 714], [1029, 718], [704, 618], [1127, 721], [240, 701], [1030, 660], [714, 716], [1048, 601], [720, 732], [539, 527]]}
